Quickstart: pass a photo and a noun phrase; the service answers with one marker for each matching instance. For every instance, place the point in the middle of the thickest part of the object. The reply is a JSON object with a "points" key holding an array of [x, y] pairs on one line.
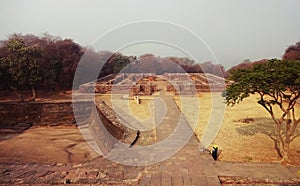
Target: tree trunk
{"points": [[278, 147], [282, 150], [33, 94], [278, 141], [286, 154], [286, 142], [19, 96], [282, 146]]}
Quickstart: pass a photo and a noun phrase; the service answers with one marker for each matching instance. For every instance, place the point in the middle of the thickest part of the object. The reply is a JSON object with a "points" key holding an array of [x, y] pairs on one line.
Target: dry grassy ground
{"points": [[244, 132]]}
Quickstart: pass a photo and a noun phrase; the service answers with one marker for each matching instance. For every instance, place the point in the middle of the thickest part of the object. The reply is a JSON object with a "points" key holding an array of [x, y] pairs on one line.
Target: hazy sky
{"points": [[233, 29]]}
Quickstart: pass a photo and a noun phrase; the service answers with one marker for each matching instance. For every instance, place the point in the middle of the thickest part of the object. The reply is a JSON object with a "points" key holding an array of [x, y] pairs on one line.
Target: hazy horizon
{"points": [[234, 30]]}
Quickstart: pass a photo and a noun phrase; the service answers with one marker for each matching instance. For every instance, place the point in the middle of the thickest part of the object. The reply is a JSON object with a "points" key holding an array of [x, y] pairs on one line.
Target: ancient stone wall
{"points": [[190, 84], [16, 114], [104, 127], [118, 127], [126, 83], [114, 125]]}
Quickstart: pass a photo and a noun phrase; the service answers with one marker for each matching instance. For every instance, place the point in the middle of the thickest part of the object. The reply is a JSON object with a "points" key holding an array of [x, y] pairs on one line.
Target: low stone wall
{"points": [[113, 124], [104, 129], [102, 123], [118, 127], [14, 115]]}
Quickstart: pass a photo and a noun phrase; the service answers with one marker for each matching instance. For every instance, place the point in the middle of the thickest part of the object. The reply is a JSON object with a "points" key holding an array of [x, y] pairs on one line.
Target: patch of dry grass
{"points": [[238, 140], [245, 130]]}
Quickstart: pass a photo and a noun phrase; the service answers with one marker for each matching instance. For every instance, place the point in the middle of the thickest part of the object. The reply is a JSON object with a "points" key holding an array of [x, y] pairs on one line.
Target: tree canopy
{"points": [[49, 62], [43, 62], [21, 64], [292, 52]]}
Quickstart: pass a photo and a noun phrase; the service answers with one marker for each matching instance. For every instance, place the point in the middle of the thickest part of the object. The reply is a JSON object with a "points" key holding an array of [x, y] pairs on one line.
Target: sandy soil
{"points": [[47, 145]]}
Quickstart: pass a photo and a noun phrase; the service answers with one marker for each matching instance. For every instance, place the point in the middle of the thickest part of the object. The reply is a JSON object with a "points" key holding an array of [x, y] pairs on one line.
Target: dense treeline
{"points": [[243, 65], [49, 62], [149, 63], [38, 62]]}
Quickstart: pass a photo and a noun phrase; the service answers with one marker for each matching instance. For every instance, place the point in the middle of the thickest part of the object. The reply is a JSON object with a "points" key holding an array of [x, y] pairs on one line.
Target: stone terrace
{"points": [[126, 83], [146, 83]]}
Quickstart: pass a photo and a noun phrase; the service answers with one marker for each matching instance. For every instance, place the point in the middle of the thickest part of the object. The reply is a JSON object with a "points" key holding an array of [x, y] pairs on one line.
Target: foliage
{"points": [[4, 75], [55, 61], [187, 64], [216, 69], [245, 64], [21, 64], [292, 52], [51, 60], [119, 62], [278, 84], [89, 66], [68, 55]]}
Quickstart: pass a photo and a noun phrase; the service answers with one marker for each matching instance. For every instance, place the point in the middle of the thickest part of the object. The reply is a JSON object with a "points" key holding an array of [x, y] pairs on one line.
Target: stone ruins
{"points": [[148, 83]]}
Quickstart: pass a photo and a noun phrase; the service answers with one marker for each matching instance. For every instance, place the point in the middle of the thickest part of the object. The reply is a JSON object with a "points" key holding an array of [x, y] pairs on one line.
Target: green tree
{"points": [[278, 85], [119, 62], [4, 75], [22, 65]]}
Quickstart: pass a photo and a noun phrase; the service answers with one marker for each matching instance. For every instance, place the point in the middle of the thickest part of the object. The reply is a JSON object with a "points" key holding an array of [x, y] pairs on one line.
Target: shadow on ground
{"points": [[262, 125], [265, 126], [13, 129]]}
